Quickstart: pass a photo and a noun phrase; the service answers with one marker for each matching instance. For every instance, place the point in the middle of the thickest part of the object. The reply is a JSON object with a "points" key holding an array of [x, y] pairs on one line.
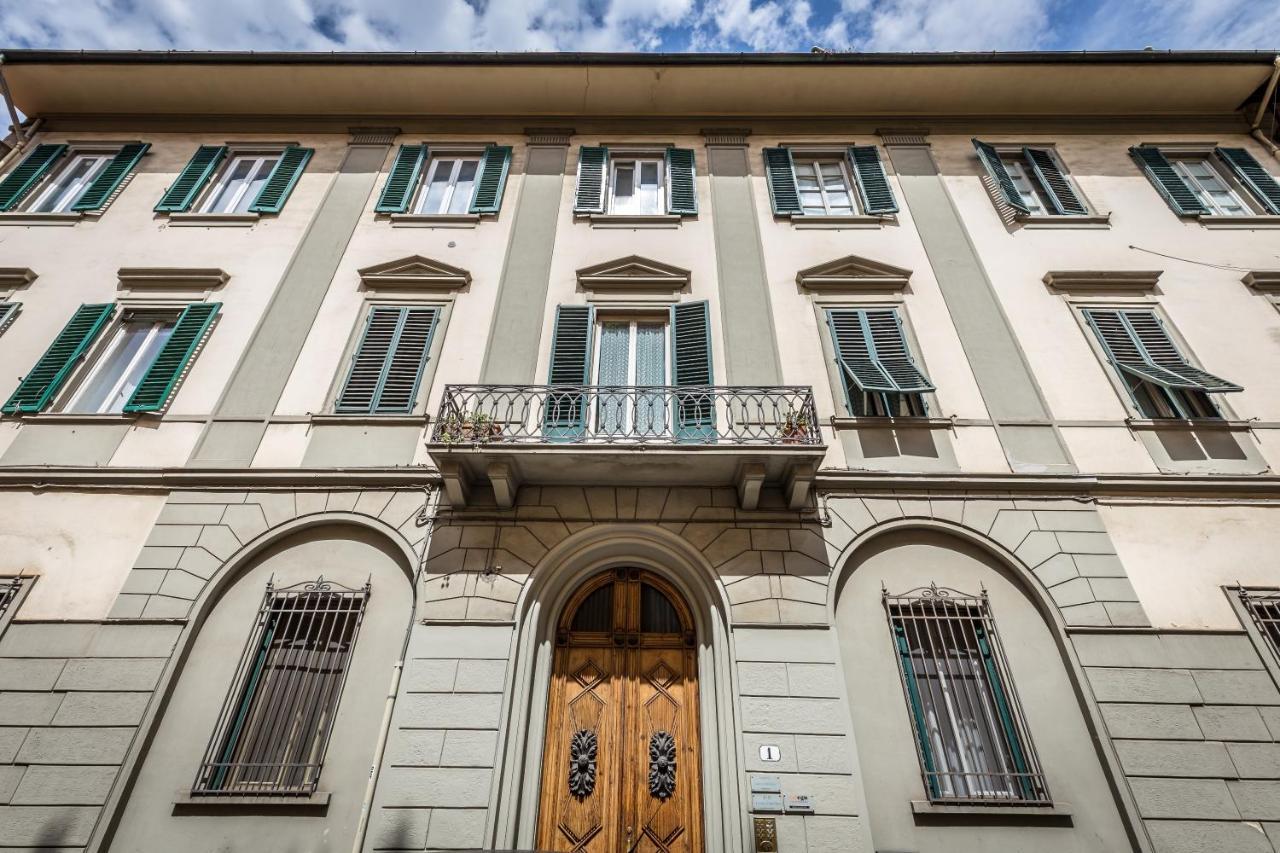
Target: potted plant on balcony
{"points": [[469, 428], [795, 427]]}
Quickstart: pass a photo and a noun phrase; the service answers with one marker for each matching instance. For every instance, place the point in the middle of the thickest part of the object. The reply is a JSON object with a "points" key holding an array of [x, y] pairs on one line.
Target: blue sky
{"points": [[607, 25]]}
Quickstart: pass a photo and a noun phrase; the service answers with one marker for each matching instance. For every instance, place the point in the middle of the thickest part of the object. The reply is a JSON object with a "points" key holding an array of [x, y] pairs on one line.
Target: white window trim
{"points": [[95, 363], [424, 181], [810, 157], [52, 183], [224, 173], [636, 159]]}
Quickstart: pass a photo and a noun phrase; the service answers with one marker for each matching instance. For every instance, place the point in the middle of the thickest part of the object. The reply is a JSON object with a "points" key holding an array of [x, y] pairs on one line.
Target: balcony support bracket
{"points": [[505, 481], [457, 487], [798, 484], [750, 480]]}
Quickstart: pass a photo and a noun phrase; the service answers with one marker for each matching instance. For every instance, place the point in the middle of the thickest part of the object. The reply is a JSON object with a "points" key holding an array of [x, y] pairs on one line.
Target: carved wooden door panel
{"points": [[621, 764]]}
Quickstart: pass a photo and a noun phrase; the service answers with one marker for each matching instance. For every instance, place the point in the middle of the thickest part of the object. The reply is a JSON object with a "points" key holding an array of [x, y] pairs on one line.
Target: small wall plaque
{"points": [[766, 803], [770, 752], [799, 804], [765, 785]]}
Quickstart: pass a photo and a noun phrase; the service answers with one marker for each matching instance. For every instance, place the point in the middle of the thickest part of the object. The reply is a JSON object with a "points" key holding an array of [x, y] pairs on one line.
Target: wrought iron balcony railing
{"points": [[612, 414]]}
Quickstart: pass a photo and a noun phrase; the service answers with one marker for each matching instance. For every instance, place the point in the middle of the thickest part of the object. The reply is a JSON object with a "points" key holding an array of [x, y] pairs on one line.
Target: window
{"points": [[274, 727], [971, 739], [1210, 187], [824, 184], [631, 355], [241, 181], [449, 186], [1264, 608], [8, 311], [877, 372], [387, 365], [446, 183], [1220, 182], [826, 188], [1028, 187], [53, 178], [1160, 380], [12, 590], [64, 188], [126, 356], [1032, 181], [636, 187], [635, 184]]}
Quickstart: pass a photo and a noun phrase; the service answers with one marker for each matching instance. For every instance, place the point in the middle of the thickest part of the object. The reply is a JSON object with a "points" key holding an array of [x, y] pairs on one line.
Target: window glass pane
{"points": [[614, 369], [595, 613], [1210, 187], [119, 370], [67, 186], [464, 187], [1024, 181], [657, 614], [624, 192], [650, 189], [227, 192], [436, 193], [253, 186], [651, 369]]}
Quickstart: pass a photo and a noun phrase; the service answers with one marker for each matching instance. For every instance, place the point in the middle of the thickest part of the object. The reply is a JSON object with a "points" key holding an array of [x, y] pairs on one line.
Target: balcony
{"points": [[707, 435]]}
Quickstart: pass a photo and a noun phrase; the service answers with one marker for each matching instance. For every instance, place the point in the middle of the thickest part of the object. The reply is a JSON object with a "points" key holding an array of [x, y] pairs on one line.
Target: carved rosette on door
{"points": [[582, 763], [662, 765]]}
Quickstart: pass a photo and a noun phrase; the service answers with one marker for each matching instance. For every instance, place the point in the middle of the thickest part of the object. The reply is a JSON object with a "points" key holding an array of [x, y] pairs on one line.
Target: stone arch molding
{"points": [[199, 534]]}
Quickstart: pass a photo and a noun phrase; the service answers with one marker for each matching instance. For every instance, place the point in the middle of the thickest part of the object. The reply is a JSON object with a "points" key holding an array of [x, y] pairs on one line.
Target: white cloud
{"points": [[1181, 25], [920, 25]]}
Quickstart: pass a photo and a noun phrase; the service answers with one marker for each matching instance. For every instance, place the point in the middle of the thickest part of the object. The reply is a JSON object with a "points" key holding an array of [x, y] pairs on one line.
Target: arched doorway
{"points": [[622, 755]]}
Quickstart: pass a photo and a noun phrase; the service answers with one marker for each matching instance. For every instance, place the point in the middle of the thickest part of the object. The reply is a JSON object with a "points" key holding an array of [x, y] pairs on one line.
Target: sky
{"points": [[640, 25]]}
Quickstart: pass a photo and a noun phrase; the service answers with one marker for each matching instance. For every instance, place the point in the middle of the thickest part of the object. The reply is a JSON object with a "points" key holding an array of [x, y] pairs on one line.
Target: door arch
{"points": [[622, 756]]}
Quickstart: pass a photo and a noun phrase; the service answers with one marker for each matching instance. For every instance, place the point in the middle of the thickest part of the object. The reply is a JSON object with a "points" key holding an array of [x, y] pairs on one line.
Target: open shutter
{"points": [[1137, 343], [386, 368], [691, 366], [889, 348], [991, 161], [52, 369], [872, 352], [593, 169], [566, 414], [780, 172], [109, 179], [682, 190], [191, 180], [917, 707], [1059, 190], [8, 310], [275, 192], [873, 184], [1160, 172], [171, 362], [402, 179], [1005, 713], [1250, 172], [27, 174], [493, 179]]}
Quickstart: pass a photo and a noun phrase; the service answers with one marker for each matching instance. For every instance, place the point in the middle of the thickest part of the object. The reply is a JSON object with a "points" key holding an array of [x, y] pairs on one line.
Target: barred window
{"points": [[1264, 608], [274, 726], [10, 589], [971, 737]]}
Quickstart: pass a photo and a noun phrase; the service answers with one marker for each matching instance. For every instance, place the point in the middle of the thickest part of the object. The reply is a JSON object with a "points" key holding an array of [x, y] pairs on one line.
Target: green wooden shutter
{"points": [[890, 351], [991, 161], [493, 179], [593, 172], [566, 414], [691, 366], [873, 184], [682, 189], [52, 369], [1250, 172], [8, 310], [402, 179], [109, 179], [27, 174], [386, 369], [1055, 184], [191, 180], [1160, 172], [1005, 712], [275, 192], [171, 362], [1137, 343], [872, 352], [917, 708], [780, 172]]}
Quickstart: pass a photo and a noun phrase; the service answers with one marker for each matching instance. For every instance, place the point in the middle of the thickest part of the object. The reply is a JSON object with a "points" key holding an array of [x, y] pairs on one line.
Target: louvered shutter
{"points": [[566, 414], [402, 179], [109, 179], [52, 369], [493, 179], [27, 174], [889, 348], [171, 362], [275, 192], [386, 368], [691, 367], [780, 173], [1265, 188], [872, 352], [191, 180], [1137, 343], [991, 161], [682, 189], [593, 170], [1160, 172], [873, 184], [8, 310], [1056, 185]]}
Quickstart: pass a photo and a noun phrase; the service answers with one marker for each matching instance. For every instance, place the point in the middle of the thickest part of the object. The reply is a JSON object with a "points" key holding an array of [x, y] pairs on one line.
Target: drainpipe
{"points": [[17, 148], [18, 139], [427, 517], [1256, 128]]}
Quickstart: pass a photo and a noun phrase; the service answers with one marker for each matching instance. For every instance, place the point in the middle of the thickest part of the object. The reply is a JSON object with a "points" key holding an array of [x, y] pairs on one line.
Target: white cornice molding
{"points": [[633, 273], [171, 278], [414, 273], [854, 274], [1102, 281], [1263, 281]]}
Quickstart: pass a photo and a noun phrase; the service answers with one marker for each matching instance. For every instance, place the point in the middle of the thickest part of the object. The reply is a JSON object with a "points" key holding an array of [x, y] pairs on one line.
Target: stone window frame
{"points": [[1248, 623]]}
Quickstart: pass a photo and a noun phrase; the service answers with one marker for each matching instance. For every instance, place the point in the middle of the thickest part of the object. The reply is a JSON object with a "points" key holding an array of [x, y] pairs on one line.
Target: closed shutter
{"points": [[1056, 186], [871, 351], [8, 310], [402, 180], [593, 170], [917, 708], [52, 369], [1250, 172], [171, 362], [873, 184], [1137, 343], [682, 189], [191, 180], [386, 368], [1160, 172], [691, 366], [275, 192], [27, 174], [566, 414], [493, 179], [991, 161], [109, 179], [780, 173]]}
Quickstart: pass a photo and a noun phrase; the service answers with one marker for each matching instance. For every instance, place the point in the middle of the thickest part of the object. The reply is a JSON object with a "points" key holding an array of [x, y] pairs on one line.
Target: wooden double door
{"points": [[621, 764]]}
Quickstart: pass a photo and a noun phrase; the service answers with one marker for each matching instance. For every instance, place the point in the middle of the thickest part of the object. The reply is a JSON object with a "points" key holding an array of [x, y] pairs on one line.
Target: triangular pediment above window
{"points": [[852, 273], [414, 273], [633, 273]]}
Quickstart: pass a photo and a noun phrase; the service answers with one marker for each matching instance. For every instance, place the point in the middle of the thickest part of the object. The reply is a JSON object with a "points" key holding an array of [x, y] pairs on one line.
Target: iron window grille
{"points": [[1264, 609], [274, 726], [971, 738], [10, 589]]}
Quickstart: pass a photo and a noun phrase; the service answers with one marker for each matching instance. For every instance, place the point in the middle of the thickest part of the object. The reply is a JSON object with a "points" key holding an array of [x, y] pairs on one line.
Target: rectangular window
{"points": [[826, 187], [240, 182], [11, 591], [1264, 609], [449, 185], [67, 184], [1027, 184], [878, 374], [636, 187], [1211, 187], [122, 362], [274, 726], [631, 355], [971, 739], [387, 365]]}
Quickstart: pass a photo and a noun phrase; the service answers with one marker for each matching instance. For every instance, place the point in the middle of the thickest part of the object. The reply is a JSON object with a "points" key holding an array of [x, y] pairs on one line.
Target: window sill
{"points": [[80, 417], [21, 217], [619, 220], [838, 423], [224, 220], [1189, 424], [187, 803], [1238, 222], [378, 420], [930, 812], [1098, 221], [434, 220], [811, 222]]}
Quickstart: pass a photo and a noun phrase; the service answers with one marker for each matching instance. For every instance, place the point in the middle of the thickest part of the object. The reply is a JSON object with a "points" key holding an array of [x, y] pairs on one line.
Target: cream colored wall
{"points": [[80, 544]]}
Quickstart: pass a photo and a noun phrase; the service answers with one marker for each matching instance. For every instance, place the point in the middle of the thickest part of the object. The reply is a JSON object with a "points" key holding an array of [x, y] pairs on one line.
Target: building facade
{"points": [[656, 453]]}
